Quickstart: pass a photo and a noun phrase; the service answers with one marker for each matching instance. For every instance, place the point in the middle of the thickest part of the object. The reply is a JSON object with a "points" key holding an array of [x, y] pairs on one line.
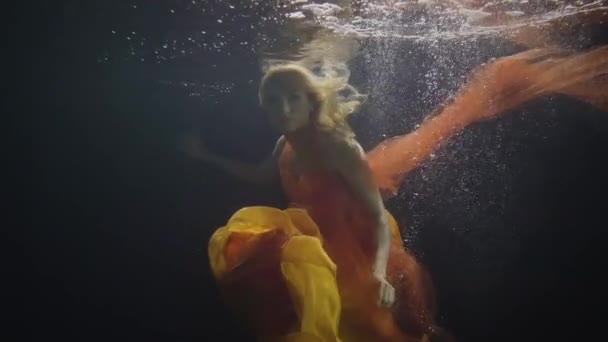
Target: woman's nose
{"points": [[285, 106]]}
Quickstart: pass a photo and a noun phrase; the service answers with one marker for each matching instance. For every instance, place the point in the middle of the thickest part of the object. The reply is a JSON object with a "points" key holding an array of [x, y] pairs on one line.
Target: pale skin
{"points": [[289, 110]]}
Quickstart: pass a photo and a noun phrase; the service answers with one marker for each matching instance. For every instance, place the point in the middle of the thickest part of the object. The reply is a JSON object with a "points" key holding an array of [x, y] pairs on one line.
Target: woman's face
{"points": [[287, 105]]}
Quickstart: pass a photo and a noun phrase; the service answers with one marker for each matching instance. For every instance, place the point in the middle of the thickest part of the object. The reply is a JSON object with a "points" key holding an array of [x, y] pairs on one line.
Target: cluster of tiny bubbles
{"points": [[187, 45], [468, 181], [211, 92], [448, 32], [186, 30]]}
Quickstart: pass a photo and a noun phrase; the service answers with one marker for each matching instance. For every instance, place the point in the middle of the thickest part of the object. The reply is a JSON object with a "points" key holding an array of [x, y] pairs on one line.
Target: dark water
{"points": [[509, 215]]}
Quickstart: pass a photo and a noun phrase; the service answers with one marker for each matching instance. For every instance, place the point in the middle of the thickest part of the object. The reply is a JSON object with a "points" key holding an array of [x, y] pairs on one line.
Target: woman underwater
{"points": [[332, 266]]}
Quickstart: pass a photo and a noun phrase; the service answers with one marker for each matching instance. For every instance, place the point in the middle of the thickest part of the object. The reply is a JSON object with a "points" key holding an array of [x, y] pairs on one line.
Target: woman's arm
{"points": [[349, 159], [262, 173]]}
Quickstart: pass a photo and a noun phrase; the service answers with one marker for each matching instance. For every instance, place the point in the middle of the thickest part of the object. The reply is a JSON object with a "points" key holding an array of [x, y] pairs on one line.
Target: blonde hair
{"points": [[334, 99]]}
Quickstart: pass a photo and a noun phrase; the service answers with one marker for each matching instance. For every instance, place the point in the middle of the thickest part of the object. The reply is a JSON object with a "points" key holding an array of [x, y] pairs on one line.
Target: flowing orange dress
{"points": [[304, 273], [311, 265]]}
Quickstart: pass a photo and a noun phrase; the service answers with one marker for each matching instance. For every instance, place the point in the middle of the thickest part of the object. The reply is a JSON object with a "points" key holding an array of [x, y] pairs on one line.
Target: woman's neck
{"points": [[303, 139]]}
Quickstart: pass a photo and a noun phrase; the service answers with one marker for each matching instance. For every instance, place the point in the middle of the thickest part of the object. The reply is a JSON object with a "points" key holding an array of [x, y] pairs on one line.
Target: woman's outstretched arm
{"points": [[261, 173]]}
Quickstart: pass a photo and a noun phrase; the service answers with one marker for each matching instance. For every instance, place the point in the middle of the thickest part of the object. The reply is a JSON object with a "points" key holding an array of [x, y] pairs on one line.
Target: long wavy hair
{"points": [[333, 98]]}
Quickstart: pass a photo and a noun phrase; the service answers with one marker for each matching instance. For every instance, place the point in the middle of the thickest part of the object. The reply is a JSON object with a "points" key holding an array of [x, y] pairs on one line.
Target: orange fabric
{"points": [[349, 238], [494, 88]]}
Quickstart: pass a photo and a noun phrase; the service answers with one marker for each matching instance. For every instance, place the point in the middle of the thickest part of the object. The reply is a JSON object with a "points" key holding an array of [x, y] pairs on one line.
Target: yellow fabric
{"points": [[256, 220], [308, 271], [311, 279], [392, 223]]}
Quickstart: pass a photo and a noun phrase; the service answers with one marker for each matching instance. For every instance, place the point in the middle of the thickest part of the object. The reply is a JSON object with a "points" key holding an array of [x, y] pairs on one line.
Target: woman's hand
{"points": [[386, 292], [349, 159], [193, 147]]}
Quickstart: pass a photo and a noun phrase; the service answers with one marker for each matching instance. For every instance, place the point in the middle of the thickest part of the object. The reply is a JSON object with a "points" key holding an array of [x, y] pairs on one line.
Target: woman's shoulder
{"points": [[344, 151], [278, 146]]}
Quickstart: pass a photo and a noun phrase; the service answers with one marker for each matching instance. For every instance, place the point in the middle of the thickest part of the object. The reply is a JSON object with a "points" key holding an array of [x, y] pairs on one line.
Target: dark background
{"points": [[509, 216]]}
